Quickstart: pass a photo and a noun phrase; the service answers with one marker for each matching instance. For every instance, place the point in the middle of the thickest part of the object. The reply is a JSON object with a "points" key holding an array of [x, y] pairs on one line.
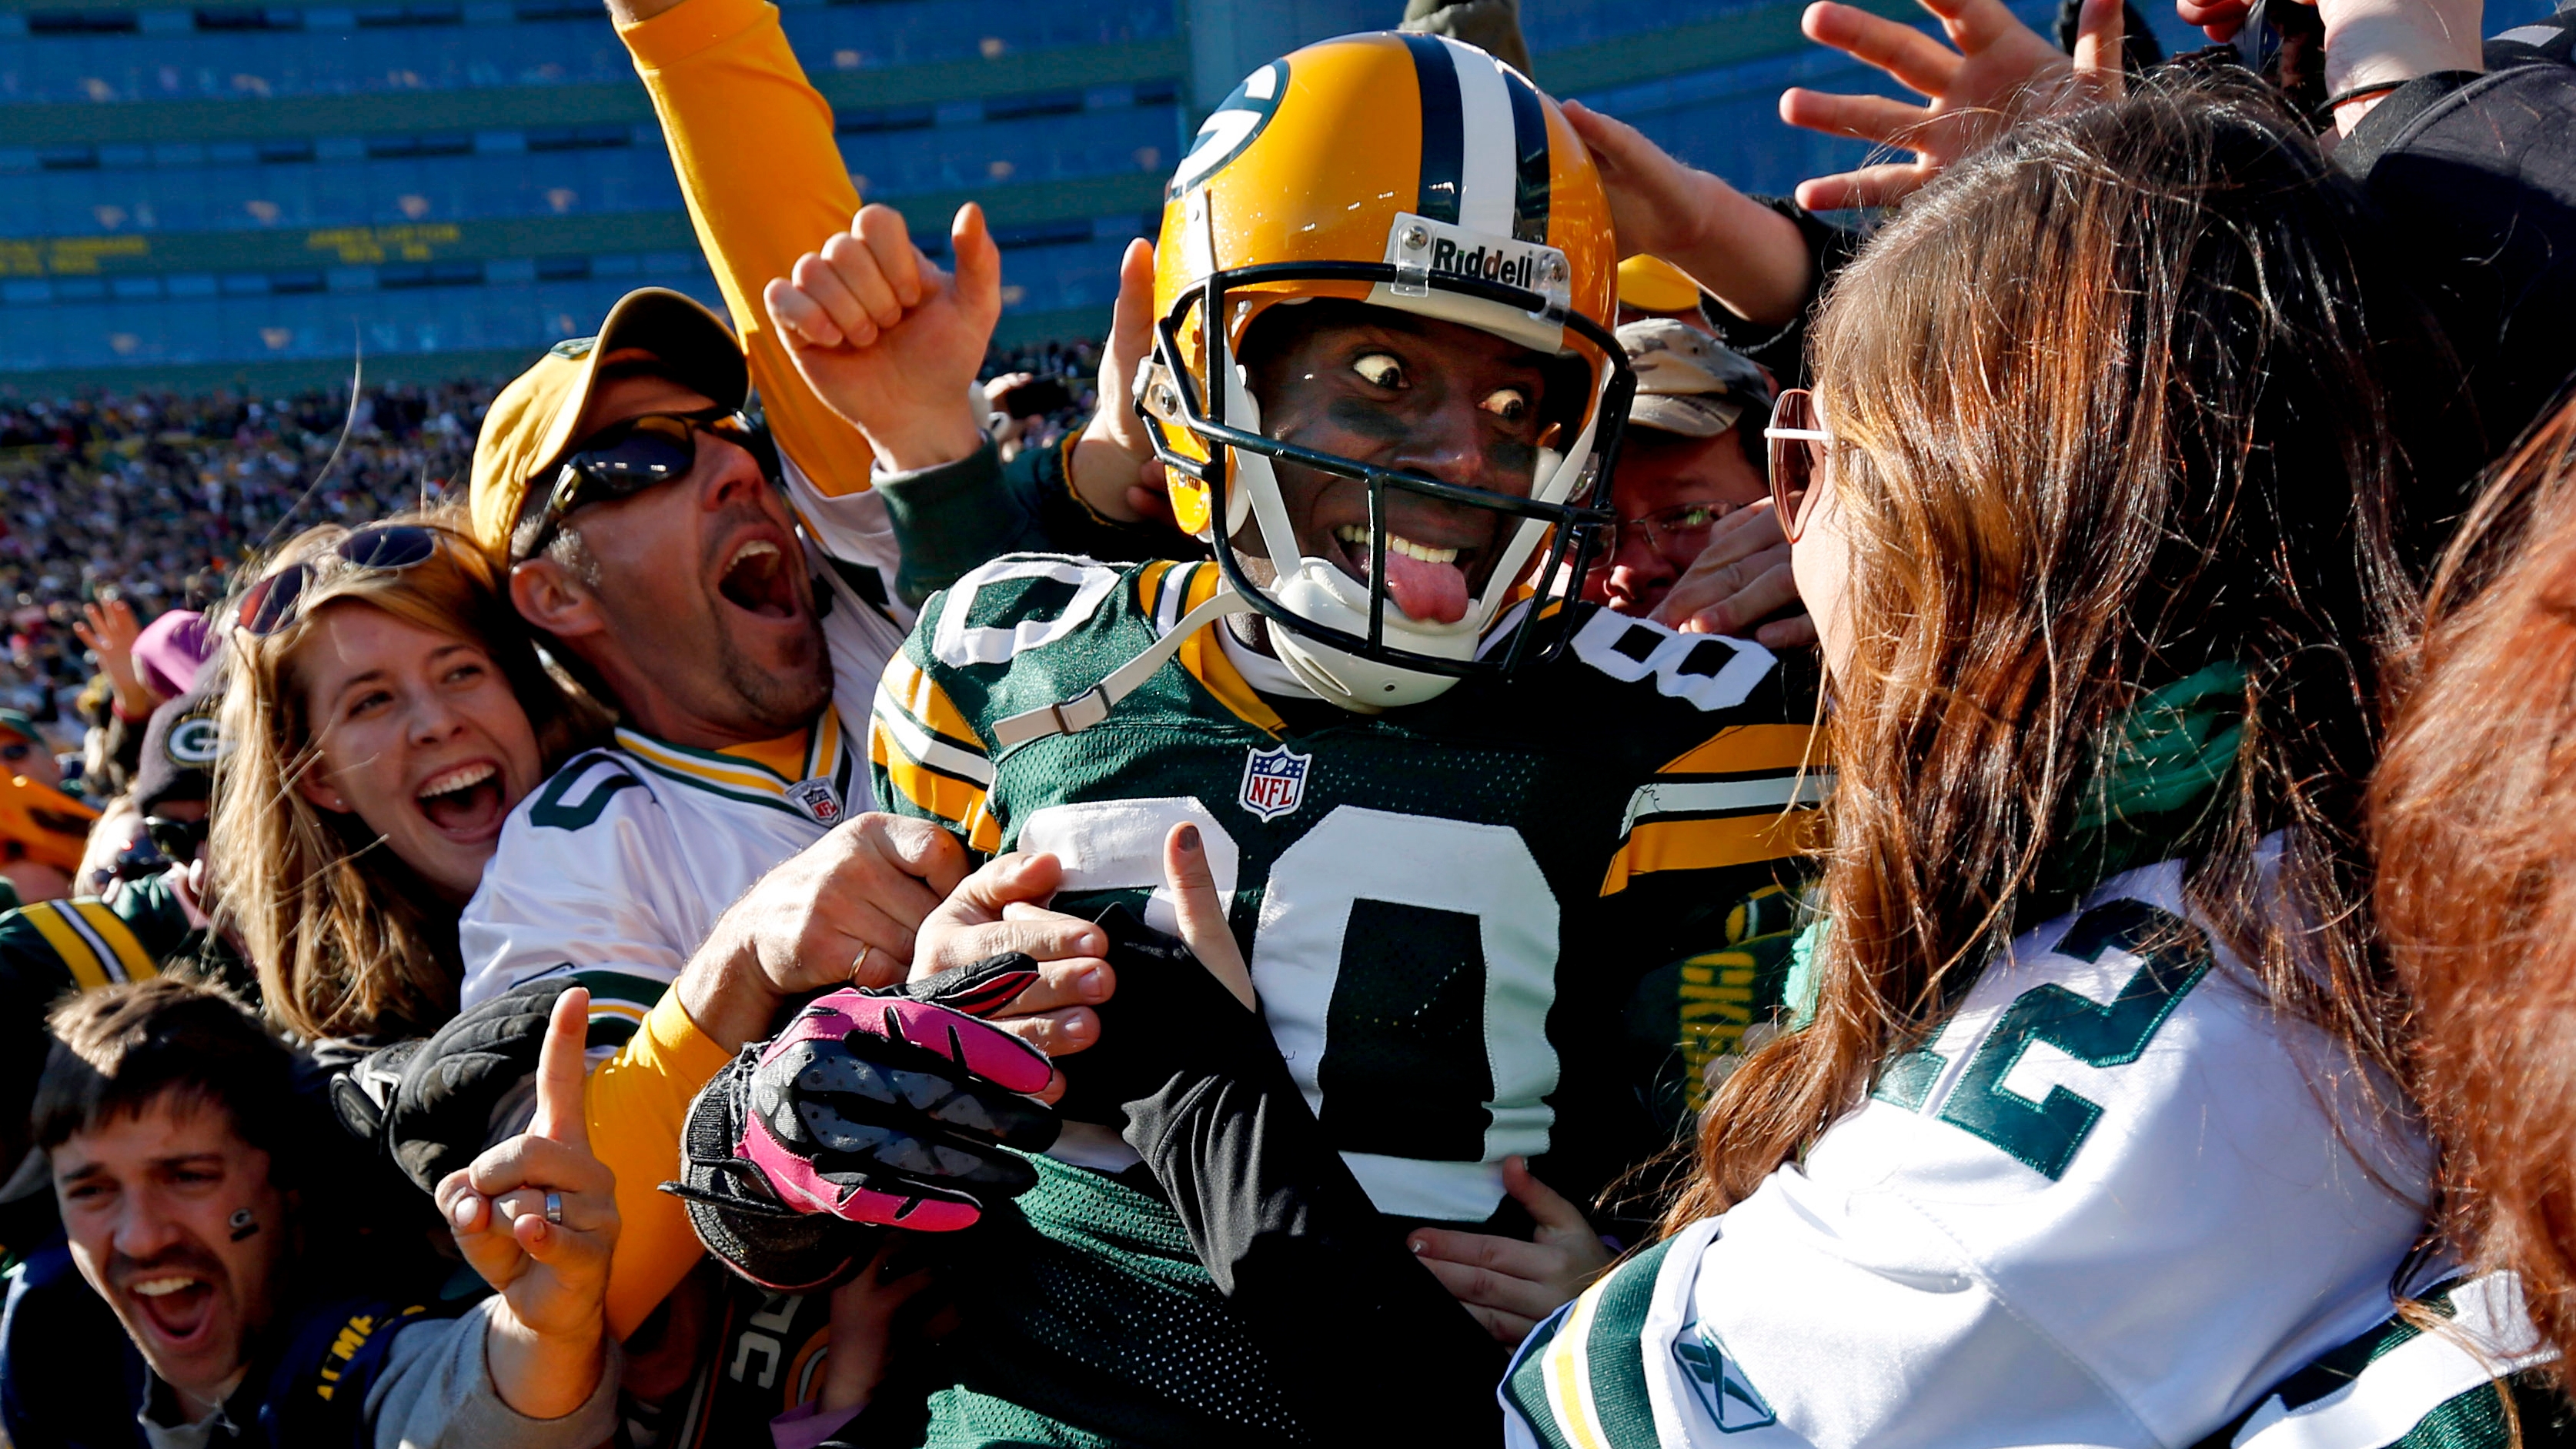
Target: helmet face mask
{"points": [[1437, 189], [1543, 536]]}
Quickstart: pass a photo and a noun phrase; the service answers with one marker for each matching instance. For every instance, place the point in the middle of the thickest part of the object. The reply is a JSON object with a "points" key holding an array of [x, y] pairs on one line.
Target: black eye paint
{"points": [[243, 1224], [1369, 420]]}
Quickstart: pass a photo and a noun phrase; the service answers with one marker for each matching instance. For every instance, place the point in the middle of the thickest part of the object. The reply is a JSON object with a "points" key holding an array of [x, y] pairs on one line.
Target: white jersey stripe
{"points": [[1489, 176], [928, 748], [1711, 797]]}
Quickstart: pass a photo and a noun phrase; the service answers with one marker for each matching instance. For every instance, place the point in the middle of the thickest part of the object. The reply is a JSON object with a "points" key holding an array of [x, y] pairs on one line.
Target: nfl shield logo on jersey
{"points": [[1274, 781], [1730, 1398], [817, 798]]}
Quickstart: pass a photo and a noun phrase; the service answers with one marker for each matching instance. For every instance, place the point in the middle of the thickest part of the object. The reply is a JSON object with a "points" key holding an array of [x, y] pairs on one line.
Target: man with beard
{"points": [[720, 855], [170, 1128]]}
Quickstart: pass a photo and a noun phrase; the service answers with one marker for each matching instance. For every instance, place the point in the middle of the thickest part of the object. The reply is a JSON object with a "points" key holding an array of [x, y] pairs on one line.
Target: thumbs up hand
{"points": [[888, 339], [537, 1217]]}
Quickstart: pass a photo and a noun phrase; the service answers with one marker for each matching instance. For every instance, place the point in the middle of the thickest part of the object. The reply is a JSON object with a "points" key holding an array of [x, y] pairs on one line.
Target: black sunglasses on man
{"points": [[630, 455]]}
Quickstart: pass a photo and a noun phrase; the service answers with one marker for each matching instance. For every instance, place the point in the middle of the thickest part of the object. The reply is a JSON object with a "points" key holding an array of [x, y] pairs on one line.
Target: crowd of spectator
{"points": [[159, 497]]}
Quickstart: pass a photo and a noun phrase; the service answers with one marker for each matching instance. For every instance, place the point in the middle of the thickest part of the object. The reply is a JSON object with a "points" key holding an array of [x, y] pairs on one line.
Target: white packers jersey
{"points": [[2106, 1205], [618, 866]]}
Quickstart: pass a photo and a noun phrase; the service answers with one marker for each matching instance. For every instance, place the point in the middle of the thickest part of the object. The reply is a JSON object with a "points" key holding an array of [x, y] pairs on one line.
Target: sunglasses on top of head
{"points": [[1798, 442], [277, 600], [631, 455]]}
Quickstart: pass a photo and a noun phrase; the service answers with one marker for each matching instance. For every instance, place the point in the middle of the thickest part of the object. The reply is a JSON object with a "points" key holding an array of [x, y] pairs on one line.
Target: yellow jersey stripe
{"points": [[941, 794], [1205, 659], [1753, 747], [928, 704], [119, 938], [1710, 844], [1569, 1375], [715, 770], [1149, 587], [823, 754], [69, 944], [887, 716], [779, 756]]}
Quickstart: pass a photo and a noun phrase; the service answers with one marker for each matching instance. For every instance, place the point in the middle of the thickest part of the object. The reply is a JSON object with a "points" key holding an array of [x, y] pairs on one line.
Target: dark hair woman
{"points": [[2090, 1133]]}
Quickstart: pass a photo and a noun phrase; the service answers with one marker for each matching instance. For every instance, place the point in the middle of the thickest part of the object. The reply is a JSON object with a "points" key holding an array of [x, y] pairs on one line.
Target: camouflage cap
{"points": [[1689, 382]]}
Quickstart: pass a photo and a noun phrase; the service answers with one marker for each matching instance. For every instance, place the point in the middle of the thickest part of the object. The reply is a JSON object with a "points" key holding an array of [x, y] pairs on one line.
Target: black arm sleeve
{"points": [[951, 519], [1306, 1262], [1783, 348], [2477, 185]]}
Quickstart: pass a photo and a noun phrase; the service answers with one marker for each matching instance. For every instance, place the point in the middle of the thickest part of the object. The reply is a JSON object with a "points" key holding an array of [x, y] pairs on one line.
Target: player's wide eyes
{"points": [[1508, 403], [1381, 369]]}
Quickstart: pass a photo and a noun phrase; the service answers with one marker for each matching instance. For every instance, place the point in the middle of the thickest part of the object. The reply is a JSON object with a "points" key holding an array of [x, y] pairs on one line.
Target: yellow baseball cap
{"points": [[1655, 285], [530, 425]]}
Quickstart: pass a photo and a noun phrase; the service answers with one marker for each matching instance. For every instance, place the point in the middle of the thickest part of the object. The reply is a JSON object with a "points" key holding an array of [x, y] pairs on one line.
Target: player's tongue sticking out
{"points": [[1425, 582]]}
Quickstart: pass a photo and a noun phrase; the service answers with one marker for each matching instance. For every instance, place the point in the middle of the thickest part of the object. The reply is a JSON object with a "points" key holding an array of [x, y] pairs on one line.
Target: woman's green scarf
{"points": [[2151, 794]]}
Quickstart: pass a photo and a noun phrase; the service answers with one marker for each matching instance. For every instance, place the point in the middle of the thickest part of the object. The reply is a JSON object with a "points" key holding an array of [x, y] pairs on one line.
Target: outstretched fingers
{"points": [[2099, 28], [1871, 118], [1882, 185], [1915, 59]]}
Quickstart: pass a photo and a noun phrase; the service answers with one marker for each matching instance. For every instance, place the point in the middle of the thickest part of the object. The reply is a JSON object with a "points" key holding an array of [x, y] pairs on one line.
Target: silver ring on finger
{"points": [[554, 1208]]}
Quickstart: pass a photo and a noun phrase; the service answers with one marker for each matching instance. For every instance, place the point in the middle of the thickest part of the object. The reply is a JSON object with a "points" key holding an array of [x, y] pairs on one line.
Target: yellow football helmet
{"points": [[1402, 171]]}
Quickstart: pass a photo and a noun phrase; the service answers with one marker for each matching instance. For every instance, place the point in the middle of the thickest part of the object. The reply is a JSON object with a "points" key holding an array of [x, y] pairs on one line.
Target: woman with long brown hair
{"points": [[2090, 1133], [385, 712], [2475, 823]]}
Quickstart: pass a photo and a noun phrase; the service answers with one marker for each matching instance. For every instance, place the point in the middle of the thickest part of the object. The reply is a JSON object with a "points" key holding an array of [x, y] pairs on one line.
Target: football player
{"points": [[1457, 815]]}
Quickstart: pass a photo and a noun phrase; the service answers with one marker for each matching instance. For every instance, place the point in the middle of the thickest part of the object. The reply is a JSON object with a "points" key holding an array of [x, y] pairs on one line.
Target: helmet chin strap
{"points": [[1092, 705]]}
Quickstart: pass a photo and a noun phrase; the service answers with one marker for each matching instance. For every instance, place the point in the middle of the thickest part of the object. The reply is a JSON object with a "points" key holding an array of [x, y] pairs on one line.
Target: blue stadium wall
{"points": [[231, 194]]}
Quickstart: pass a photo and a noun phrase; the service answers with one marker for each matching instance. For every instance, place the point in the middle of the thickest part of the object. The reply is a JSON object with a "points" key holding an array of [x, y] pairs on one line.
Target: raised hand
{"points": [[1999, 71], [1511, 1286], [887, 339], [1741, 578], [1113, 466], [109, 630], [1748, 256], [536, 1216]]}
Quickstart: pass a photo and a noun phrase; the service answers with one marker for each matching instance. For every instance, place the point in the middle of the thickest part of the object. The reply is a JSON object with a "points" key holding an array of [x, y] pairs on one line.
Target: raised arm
{"points": [[752, 142]]}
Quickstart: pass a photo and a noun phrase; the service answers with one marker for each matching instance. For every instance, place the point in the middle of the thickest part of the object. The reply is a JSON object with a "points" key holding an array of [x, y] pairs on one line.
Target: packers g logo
{"points": [[195, 741], [1231, 127]]}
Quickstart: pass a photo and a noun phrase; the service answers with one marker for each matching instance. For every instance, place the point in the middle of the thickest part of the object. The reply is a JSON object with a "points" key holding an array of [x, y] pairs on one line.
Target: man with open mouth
{"points": [[183, 1166], [721, 854]]}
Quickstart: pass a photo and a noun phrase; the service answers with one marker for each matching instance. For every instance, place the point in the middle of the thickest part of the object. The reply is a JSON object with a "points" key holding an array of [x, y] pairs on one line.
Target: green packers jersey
{"points": [[1447, 908], [1444, 906]]}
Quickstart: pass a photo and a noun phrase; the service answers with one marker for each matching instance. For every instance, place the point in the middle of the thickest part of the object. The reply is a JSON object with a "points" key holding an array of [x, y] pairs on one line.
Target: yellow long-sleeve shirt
{"points": [[636, 1103], [752, 142]]}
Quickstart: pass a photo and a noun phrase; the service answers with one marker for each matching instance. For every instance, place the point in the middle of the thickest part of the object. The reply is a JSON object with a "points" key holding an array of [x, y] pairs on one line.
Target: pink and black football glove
{"points": [[892, 1107]]}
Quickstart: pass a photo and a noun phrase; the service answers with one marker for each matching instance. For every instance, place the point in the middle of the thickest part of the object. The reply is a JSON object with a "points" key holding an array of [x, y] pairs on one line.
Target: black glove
{"points": [[883, 1108], [471, 1084]]}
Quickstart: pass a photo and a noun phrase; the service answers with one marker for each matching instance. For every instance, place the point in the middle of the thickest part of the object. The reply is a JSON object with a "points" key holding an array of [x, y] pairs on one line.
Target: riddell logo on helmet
{"points": [[1492, 265], [1439, 248]]}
